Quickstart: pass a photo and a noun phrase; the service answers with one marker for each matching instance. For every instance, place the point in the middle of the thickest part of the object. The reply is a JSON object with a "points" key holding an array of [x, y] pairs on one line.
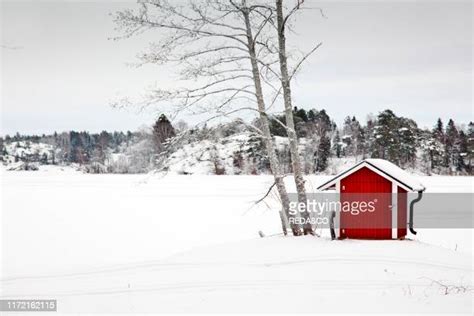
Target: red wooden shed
{"points": [[380, 181]]}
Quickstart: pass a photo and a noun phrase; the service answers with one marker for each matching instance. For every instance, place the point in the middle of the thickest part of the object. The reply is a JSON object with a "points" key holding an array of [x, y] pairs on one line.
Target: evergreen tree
{"points": [[394, 139], [276, 127], [470, 148], [361, 142], [2, 147], [438, 130], [162, 130], [103, 142], [463, 160], [323, 120], [312, 115], [428, 148], [44, 159], [346, 138], [300, 118], [384, 145], [369, 137], [337, 147], [451, 145], [435, 145], [301, 113], [322, 154], [407, 141], [353, 137]]}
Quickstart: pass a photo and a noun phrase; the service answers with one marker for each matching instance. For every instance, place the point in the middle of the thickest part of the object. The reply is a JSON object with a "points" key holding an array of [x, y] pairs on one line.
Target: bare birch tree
{"points": [[290, 125], [218, 49], [279, 22]]}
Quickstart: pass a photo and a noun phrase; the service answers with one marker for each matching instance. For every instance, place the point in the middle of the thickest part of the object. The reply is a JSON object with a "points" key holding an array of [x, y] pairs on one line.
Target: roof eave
{"points": [[331, 182]]}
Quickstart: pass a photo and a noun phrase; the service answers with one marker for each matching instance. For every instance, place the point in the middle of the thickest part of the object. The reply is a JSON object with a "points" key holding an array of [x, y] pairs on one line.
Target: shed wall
{"points": [[363, 185]]}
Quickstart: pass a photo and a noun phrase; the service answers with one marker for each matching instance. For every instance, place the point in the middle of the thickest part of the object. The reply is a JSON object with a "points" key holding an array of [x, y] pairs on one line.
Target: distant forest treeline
{"points": [[446, 148]]}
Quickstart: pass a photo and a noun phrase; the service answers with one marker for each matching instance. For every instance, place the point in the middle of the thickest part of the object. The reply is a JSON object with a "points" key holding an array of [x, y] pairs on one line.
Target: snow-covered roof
{"points": [[384, 168]]}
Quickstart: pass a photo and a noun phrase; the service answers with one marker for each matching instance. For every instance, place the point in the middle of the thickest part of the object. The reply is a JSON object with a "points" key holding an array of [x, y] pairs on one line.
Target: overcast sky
{"points": [[60, 71]]}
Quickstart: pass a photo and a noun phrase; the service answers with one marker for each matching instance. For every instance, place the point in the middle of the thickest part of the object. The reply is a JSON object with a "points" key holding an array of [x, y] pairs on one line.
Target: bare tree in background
{"points": [[219, 49]]}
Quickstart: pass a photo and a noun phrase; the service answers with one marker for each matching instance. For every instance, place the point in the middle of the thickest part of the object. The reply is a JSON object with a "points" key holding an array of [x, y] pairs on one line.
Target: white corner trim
{"points": [[337, 219], [394, 210]]}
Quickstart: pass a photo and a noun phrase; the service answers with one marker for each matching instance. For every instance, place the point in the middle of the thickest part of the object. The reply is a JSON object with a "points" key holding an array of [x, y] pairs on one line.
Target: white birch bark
{"points": [[290, 125], [265, 127]]}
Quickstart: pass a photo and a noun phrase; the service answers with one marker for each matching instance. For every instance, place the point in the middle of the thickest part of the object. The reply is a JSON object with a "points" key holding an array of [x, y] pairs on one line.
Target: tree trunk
{"points": [[290, 124], [269, 145], [284, 222]]}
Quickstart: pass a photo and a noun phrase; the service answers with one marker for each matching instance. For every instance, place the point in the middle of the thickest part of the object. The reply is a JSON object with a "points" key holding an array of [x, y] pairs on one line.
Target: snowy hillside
{"points": [[16, 153], [235, 147], [208, 157], [24, 149], [236, 154], [241, 154]]}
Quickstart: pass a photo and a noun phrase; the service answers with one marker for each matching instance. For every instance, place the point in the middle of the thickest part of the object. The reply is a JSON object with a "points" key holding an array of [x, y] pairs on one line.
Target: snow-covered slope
{"points": [[21, 149], [241, 153], [211, 157]]}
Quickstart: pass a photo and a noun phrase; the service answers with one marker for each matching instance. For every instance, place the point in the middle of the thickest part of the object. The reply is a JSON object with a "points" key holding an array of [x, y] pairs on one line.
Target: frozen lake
{"points": [[73, 236]]}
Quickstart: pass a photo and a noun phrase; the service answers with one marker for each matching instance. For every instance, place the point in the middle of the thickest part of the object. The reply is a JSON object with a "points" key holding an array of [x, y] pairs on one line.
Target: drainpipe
{"points": [[331, 225], [412, 204]]}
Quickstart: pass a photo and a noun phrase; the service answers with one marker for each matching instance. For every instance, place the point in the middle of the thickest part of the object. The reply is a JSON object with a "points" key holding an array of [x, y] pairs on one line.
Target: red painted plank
{"points": [[377, 224], [402, 213]]}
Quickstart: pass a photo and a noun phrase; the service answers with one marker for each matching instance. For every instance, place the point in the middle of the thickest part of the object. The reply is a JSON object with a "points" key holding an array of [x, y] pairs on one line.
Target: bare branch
{"points": [[298, 65]]}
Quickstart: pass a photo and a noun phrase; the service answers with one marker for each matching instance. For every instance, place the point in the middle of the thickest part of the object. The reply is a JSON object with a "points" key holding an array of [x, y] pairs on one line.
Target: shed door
{"points": [[365, 185], [402, 213]]}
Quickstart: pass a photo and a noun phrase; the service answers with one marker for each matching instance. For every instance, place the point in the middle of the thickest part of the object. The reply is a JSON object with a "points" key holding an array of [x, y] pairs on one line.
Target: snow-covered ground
{"points": [[135, 243]]}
